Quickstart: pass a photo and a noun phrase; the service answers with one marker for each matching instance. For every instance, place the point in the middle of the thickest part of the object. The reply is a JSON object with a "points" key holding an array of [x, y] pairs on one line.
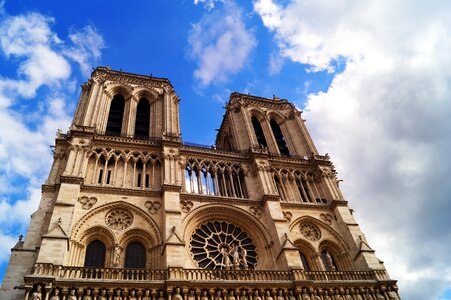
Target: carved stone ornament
{"points": [[186, 206], [152, 206], [327, 218], [87, 202], [119, 219], [256, 211], [287, 215], [310, 231]]}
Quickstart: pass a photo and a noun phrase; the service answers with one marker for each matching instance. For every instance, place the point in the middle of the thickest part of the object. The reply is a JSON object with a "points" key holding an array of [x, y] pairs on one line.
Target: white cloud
{"points": [[221, 44], [29, 125], [209, 4], [385, 121], [87, 46]]}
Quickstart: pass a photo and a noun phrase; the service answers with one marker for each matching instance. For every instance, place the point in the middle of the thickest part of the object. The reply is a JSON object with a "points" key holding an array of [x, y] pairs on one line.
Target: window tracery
{"points": [[119, 219], [214, 178], [310, 231], [221, 245]]}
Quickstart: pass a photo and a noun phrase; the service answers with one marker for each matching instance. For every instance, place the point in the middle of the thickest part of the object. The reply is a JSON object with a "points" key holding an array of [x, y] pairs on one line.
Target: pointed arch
{"points": [[142, 124], [116, 115], [280, 139]]}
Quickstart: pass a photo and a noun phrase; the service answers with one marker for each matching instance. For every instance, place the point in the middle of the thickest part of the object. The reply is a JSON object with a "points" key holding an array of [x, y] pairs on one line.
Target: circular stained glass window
{"points": [[219, 245]]}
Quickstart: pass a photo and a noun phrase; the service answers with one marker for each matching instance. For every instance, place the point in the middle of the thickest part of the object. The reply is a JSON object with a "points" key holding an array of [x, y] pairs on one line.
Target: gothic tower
{"points": [[130, 211]]}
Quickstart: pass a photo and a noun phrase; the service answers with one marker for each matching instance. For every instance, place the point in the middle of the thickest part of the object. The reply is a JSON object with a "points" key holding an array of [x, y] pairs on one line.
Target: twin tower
{"points": [[131, 212]]}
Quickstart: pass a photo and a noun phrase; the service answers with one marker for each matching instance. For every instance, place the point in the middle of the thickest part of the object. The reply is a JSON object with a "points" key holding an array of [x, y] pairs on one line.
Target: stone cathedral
{"points": [[132, 212]]}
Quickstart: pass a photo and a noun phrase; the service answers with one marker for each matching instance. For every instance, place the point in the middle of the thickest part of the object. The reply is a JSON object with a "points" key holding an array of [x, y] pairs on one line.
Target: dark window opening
{"points": [[142, 119], [114, 124], [147, 180], [135, 256], [95, 254], [138, 184], [108, 177], [259, 132], [100, 176], [281, 144], [304, 262]]}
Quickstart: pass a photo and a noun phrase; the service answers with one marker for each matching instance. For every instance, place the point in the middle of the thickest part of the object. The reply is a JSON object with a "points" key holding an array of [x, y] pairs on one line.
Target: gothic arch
{"points": [[79, 227], [150, 94], [341, 244], [237, 216], [113, 89]]}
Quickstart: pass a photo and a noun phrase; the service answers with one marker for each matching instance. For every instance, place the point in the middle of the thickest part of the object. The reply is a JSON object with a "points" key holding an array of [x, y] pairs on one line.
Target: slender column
{"points": [[231, 184], [91, 104], [282, 185], [316, 189], [207, 182], [310, 191], [152, 180], [238, 179], [105, 171], [303, 190], [116, 159], [191, 179], [95, 170], [125, 172], [224, 184], [143, 177], [85, 164], [216, 184], [289, 188], [199, 182], [134, 174]]}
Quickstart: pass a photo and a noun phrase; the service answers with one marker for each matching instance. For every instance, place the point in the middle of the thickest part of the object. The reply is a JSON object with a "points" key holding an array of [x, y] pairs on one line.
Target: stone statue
{"points": [[236, 257], [132, 295], [37, 294], [268, 296], [88, 295], [71, 295], [305, 295], [218, 295], [280, 295], [146, 295], [347, 296], [292, 297], [326, 296], [243, 257], [231, 296], [117, 255], [338, 296], [257, 296], [358, 296], [161, 295], [117, 295], [177, 295], [329, 261], [392, 294], [102, 295], [55, 295], [204, 295], [191, 295], [244, 295], [315, 296], [225, 258], [378, 296]]}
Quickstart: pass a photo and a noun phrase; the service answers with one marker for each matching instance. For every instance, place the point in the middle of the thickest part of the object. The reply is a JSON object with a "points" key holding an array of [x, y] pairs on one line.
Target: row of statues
{"points": [[234, 257], [243, 294]]}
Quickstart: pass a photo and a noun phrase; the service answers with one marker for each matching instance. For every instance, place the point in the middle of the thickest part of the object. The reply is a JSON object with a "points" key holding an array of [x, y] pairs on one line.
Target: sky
{"points": [[373, 79]]}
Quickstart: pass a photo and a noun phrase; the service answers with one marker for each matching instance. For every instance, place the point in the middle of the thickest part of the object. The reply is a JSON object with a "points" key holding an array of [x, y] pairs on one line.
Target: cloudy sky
{"points": [[372, 77]]}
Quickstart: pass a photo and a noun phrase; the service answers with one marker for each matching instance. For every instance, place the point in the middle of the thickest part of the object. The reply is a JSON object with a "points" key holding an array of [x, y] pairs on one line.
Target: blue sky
{"points": [[373, 79]]}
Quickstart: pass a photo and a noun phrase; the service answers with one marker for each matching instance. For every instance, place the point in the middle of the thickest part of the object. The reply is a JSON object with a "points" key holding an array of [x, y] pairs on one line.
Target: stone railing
{"points": [[181, 274]]}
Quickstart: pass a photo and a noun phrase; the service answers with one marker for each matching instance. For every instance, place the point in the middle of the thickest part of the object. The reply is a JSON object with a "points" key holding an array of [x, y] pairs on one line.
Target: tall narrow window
{"points": [[280, 140], [114, 124], [135, 256], [304, 261], [142, 119], [259, 132], [95, 254]]}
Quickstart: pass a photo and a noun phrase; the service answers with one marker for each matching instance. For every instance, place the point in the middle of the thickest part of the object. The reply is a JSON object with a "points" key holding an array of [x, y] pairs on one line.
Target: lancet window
{"points": [[115, 116], [296, 186], [216, 179], [259, 132], [95, 254], [135, 256], [142, 119], [280, 140], [304, 261]]}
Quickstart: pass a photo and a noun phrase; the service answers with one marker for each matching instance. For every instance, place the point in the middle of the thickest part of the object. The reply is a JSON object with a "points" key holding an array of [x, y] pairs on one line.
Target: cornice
{"points": [[120, 191], [212, 153], [312, 206], [217, 199], [71, 179]]}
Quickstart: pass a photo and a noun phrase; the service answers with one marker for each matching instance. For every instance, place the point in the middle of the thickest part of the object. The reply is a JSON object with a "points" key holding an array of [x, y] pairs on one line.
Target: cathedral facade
{"points": [[131, 212]]}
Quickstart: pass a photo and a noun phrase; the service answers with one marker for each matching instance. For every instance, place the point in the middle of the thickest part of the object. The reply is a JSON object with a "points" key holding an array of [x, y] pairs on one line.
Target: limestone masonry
{"points": [[129, 211]]}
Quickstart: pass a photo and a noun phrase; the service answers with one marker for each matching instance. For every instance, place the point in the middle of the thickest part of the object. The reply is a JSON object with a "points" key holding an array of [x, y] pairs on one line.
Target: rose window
{"points": [[310, 231], [220, 245], [119, 219]]}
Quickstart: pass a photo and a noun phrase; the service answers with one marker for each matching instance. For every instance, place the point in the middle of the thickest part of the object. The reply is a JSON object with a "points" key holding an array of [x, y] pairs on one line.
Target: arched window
{"points": [[114, 124], [304, 262], [280, 140], [135, 256], [328, 261], [95, 254], [259, 132], [142, 119]]}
